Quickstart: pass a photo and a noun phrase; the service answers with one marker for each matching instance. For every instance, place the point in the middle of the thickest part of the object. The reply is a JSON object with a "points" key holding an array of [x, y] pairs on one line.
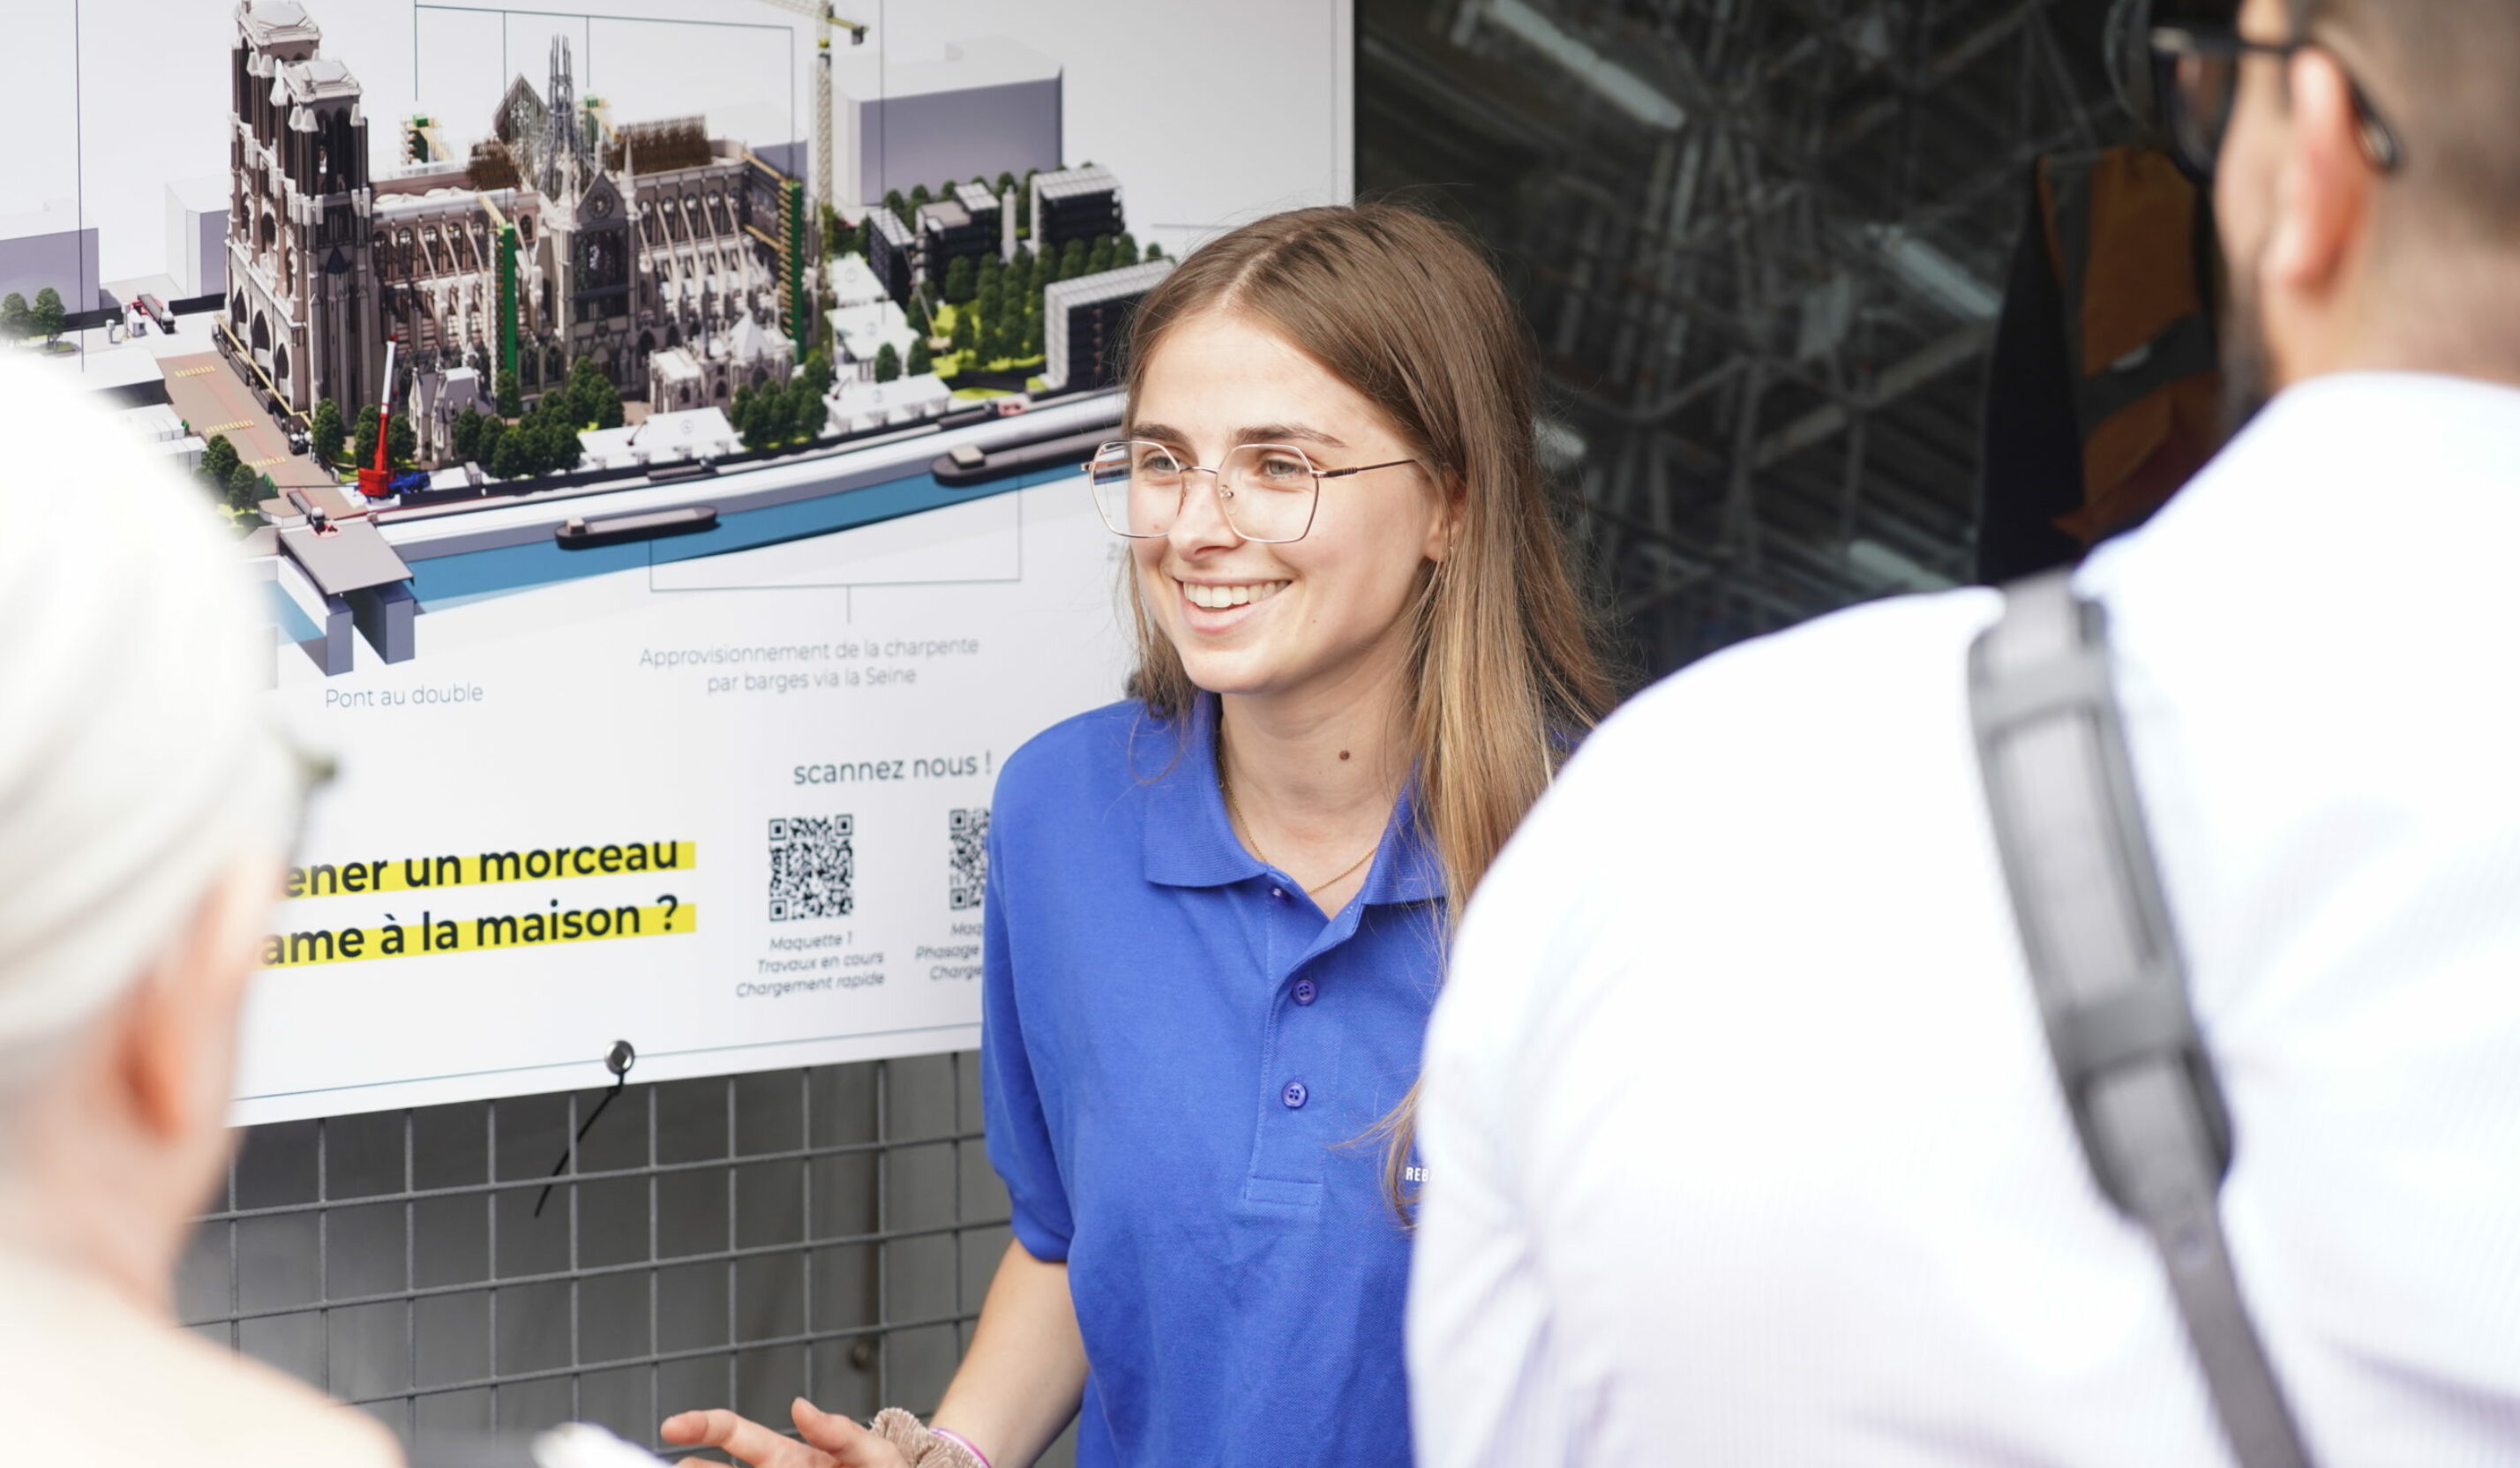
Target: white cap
{"points": [[137, 758]]}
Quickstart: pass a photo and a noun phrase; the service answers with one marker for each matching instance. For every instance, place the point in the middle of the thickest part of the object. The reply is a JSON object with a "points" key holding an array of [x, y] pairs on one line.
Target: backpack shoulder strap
{"points": [[2111, 983]]}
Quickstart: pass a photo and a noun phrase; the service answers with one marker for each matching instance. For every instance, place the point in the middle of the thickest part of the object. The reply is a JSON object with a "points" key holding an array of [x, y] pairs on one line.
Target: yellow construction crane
{"points": [[824, 20]]}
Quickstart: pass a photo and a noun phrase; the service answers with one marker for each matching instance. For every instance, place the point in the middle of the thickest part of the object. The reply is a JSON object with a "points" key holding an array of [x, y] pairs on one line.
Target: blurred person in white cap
{"points": [[146, 803]]}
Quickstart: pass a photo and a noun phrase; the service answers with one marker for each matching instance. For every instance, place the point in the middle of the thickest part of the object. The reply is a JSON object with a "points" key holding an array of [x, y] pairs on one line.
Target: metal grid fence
{"points": [[737, 1241]]}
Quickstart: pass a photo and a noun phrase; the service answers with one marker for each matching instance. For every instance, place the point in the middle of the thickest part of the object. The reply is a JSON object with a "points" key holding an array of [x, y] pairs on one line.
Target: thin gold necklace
{"points": [[1242, 831]]}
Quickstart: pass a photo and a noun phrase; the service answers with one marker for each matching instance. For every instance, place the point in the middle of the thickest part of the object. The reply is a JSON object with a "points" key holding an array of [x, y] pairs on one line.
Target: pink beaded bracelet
{"points": [[964, 1443]]}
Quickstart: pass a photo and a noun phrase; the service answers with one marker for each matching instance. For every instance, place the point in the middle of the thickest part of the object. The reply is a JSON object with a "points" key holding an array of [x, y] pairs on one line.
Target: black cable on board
{"points": [[618, 1060]]}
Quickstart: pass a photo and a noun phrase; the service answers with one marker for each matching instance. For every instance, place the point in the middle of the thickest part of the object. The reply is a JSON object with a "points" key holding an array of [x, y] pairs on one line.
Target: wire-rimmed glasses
{"points": [[2199, 71], [1267, 492]]}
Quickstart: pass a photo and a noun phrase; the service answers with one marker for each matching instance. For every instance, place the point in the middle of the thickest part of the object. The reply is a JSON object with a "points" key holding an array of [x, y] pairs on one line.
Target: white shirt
{"points": [[86, 1376], [1743, 1140]]}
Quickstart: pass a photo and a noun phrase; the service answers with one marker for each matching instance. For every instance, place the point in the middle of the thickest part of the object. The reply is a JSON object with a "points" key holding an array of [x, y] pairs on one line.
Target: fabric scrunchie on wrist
{"points": [[923, 1447]]}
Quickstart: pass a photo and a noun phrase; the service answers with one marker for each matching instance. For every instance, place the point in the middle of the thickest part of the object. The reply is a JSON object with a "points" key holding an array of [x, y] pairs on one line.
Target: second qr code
{"points": [[813, 868]]}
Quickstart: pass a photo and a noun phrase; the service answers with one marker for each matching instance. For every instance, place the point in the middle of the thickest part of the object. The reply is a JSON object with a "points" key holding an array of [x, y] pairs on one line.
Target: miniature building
{"points": [[1074, 204], [893, 251], [752, 355], [852, 282], [163, 429], [990, 106], [49, 247], [664, 439], [857, 406], [196, 237], [301, 267], [864, 319], [1085, 320], [951, 231], [675, 380], [983, 206], [436, 399], [559, 239]]}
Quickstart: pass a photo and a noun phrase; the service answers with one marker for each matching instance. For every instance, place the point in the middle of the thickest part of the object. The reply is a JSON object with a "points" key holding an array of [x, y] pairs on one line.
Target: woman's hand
{"points": [[831, 1441]]}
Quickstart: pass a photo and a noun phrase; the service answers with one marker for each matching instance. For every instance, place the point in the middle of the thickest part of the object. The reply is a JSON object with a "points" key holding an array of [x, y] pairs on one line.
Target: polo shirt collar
{"points": [[1191, 843]]}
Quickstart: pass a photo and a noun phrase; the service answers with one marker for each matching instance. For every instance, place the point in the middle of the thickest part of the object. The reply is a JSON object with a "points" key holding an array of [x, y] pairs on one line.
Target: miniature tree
{"points": [[591, 397], [960, 283], [16, 322], [464, 437], [1071, 261], [560, 451], [486, 439], [1032, 343], [919, 195], [402, 442], [510, 453], [326, 431], [218, 463], [1102, 256], [899, 205], [815, 374], [765, 419], [806, 414], [922, 360], [244, 488], [966, 336], [1125, 252], [887, 362], [49, 317], [510, 397], [363, 441], [1155, 251], [1005, 182]]}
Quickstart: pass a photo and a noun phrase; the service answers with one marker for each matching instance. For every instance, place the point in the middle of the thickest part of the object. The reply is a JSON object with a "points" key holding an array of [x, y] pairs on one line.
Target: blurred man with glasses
{"points": [[1743, 1124]]}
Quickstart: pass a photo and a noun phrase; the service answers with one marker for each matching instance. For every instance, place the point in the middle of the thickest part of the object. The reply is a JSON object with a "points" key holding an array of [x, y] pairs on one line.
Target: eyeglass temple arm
{"points": [[1341, 473]]}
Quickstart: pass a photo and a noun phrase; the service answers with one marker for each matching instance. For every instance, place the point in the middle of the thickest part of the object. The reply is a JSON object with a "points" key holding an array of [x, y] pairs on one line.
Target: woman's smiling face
{"points": [[1274, 619]]}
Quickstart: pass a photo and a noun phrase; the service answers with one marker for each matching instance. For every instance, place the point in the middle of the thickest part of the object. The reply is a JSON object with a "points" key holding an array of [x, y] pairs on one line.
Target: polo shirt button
{"points": [[1306, 990], [1294, 1096], [1278, 893]]}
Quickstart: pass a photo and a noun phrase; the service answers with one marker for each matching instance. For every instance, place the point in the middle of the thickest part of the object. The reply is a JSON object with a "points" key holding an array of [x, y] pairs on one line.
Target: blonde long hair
{"points": [[1505, 667]]}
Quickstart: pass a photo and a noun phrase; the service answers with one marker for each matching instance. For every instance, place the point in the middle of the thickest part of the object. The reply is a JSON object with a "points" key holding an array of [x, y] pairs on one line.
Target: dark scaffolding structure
{"points": [[1760, 245]]}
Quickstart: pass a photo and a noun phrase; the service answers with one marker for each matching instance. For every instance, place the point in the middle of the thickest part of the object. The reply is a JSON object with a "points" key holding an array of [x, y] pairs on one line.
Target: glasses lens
{"points": [[1136, 486], [1269, 491], [2197, 92]]}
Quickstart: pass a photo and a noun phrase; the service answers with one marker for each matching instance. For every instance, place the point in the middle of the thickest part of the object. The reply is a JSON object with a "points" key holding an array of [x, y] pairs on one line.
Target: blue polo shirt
{"points": [[1183, 1062]]}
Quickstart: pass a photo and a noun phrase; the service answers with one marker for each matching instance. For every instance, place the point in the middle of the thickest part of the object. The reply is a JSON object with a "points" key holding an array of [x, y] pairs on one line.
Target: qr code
{"points": [[970, 873], [813, 870]]}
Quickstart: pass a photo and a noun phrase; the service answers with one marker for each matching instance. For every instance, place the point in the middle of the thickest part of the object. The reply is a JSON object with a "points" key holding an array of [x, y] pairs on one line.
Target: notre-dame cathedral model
{"points": [[668, 258]]}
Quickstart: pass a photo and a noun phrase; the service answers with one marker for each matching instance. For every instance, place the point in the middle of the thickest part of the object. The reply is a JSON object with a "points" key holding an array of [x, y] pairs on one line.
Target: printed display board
{"points": [[657, 425]]}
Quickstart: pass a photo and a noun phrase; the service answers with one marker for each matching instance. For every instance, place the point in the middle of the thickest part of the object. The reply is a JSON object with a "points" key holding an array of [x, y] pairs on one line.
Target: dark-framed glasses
{"points": [[2198, 71], [1267, 492]]}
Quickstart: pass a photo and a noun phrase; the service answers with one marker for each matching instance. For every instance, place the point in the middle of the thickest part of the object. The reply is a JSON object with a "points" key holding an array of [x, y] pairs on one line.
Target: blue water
{"points": [[292, 622], [448, 581]]}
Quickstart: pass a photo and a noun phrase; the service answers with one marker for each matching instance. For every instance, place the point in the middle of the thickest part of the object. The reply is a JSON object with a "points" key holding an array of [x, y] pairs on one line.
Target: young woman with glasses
{"points": [[1217, 910]]}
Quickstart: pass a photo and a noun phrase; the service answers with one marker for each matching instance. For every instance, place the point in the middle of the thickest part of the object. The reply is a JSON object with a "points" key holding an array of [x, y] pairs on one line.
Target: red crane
{"points": [[375, 482]]}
